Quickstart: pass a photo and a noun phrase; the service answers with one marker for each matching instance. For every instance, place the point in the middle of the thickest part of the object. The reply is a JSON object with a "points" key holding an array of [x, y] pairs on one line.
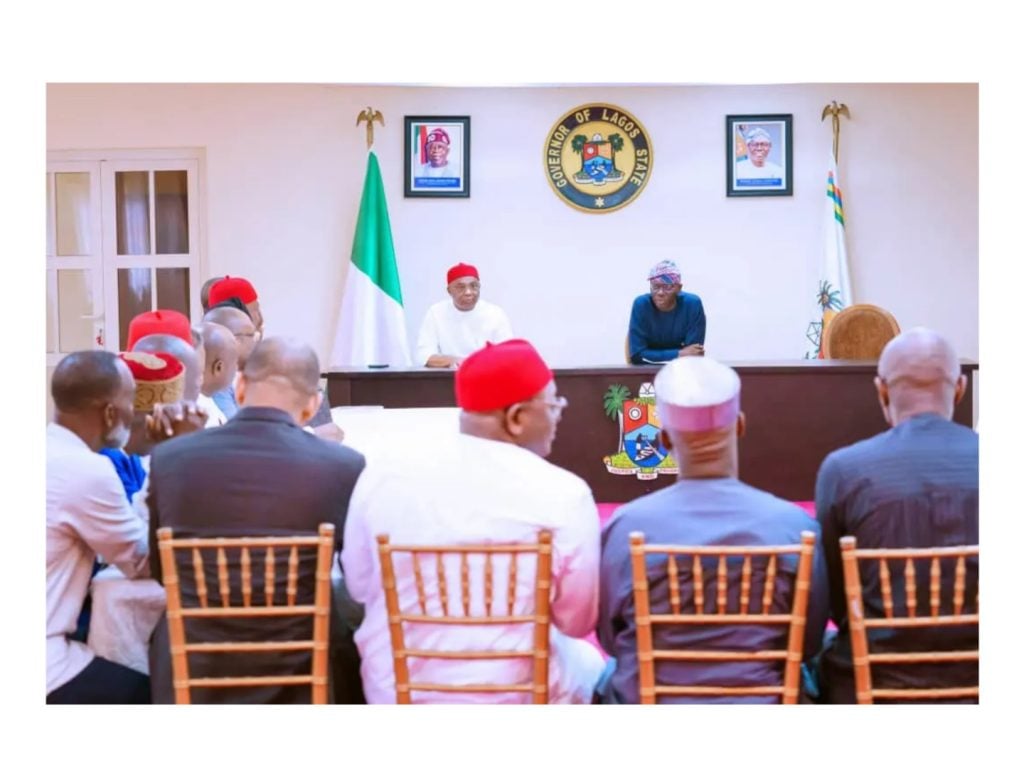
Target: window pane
{"points": [[49, 218], [51, 315], [134, 296], [75, 307], [171, 211], [172, 289], [73, 214], [132, 201]]}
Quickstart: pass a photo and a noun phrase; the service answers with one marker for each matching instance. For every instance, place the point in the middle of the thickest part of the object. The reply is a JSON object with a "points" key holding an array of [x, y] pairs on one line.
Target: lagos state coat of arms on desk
{"points": [[640, 450]]}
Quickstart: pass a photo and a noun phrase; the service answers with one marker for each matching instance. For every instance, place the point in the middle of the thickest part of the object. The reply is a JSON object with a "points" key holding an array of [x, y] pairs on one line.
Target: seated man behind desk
{"points": [[698, 402], [666, 323], [488, 483], [260, 474], [457, 328], [915, 485]]}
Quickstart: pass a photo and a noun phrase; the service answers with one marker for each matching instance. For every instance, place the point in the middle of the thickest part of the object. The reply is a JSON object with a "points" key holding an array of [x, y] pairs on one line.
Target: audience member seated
{"points": [[259, 474], [241, 289], [698, 402], [241, 326], [204, 292], [915, 485], [490, 483], [221, 367], [87, 513], [159, 379]]}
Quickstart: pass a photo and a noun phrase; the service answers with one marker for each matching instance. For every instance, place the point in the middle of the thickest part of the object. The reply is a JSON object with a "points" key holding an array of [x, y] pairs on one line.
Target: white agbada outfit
{"points": [[447, 330], [459, 490], [87, 514]]}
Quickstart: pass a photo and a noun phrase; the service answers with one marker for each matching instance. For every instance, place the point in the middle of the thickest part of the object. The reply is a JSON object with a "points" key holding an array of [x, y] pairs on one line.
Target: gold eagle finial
{"points": [[369, 116], [835, 110]]}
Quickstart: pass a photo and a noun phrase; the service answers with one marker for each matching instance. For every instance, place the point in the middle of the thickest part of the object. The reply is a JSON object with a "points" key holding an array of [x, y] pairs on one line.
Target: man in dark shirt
{"points": [[698, 403], [915, 485], [666, 323]]}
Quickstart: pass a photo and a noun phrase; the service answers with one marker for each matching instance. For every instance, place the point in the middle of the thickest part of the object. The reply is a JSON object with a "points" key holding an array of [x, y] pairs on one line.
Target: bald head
{"points": [[221, 358], [284, 374], [240, 324], [93, 393], [918, 372], [193, 358]]}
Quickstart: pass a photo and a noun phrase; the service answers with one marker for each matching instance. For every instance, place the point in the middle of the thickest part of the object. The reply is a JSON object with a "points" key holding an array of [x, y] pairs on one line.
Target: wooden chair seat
{"points": [[751, 561], [859, 332], [432, 590], [215, 601], [898, 570]]}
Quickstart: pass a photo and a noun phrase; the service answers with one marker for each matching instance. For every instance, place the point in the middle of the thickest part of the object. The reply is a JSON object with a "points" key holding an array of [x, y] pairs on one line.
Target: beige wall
{"points": [[284, 167]]}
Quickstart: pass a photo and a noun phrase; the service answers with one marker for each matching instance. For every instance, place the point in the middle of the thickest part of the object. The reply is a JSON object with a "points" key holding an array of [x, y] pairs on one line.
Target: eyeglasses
{"points": [[759, 144], [665, 287], [557, 405]]}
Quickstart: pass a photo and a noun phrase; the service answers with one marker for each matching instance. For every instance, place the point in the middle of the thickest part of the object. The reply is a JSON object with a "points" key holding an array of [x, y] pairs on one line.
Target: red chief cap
{"points": [[438, 134], [165, 321], [462, 270], [159, 378], [232, 288], [500, 375]]}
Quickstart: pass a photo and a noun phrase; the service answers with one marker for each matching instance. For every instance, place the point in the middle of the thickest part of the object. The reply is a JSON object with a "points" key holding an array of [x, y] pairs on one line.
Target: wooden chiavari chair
{"points": [[498, 610], [270, 547], [695, 612], [932, 616]]}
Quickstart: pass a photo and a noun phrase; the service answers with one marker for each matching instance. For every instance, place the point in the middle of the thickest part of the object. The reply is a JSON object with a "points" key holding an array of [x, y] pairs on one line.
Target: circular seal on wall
{"points": [[598, 158]]}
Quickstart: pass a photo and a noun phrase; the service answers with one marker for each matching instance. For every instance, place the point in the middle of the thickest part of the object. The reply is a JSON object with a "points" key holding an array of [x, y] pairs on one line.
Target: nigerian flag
{"points": [[371, 323], [834, 292]]}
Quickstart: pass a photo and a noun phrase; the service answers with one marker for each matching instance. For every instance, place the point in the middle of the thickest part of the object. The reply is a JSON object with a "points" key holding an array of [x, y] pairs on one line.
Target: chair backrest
{"points": [[750, 560], [273, 549], [498, 609], [896, 568], [859, 332]]}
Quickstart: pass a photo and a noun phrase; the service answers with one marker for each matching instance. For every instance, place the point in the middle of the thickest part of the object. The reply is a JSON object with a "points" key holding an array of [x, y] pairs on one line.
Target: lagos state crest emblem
{"points": [[640, 450], [598, 158]]}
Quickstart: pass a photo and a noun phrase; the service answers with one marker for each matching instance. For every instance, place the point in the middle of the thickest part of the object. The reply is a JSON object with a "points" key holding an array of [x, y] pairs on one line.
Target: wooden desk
{"points": [[797, 412]]}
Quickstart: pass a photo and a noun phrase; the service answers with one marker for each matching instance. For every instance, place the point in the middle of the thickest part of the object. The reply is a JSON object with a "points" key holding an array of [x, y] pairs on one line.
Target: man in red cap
{"points": [[488, 483], [238, 288], [455, 328], [163, 321]]}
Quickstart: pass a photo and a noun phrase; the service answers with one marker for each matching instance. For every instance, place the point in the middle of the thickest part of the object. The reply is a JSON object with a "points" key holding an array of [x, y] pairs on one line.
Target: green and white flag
{"points": [[371, 323]]}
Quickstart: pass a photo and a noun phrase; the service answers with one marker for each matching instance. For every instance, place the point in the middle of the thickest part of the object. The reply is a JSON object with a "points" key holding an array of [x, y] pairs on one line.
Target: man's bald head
{"points": [[93, 393], [918, 372], [193, 358], [221, 358], [282, 373], [241, 325]]}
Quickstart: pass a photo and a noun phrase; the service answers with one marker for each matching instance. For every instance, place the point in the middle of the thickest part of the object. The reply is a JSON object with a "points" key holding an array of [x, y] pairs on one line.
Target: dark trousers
{"points": [[103, 682]]}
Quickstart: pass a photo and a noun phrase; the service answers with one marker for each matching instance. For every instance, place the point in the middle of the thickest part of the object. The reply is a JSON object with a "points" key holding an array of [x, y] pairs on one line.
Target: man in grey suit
{"points": [[259, 474], [915, 485]]}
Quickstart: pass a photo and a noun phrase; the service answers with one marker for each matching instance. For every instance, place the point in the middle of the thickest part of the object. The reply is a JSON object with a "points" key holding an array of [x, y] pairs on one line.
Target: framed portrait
{"points": [[758, 155], [436, 156]]}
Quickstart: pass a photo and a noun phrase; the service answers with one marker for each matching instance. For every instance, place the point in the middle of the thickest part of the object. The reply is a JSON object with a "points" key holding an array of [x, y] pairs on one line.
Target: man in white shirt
{"points": [[757, 165], [87, 513], [490, 483], [456, 328]]}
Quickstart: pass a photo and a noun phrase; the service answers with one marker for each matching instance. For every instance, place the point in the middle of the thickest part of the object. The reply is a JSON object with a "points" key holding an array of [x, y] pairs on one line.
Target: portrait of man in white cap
{"points": [[756, 164]]}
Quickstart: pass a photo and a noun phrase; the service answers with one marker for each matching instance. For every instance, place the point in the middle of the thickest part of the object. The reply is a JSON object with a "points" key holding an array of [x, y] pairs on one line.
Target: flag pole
{"points": [[835, 110], [369, 116]]}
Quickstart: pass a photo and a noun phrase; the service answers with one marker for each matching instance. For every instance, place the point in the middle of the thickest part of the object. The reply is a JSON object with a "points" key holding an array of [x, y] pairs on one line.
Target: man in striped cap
{"points": [[665, 323], [698, 403]]}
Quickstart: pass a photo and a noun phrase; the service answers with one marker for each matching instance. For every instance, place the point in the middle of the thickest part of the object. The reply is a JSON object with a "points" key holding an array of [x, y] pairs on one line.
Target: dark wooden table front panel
{"points": [[797, 412]]}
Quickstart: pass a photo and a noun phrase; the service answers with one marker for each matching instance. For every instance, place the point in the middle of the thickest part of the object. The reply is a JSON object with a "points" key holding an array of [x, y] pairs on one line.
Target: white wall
{"points": [[285, 165]]}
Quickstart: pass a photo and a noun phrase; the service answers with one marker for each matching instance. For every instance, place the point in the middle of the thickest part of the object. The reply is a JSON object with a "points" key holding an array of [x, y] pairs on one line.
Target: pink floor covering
{"points": [[605, 511]]}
